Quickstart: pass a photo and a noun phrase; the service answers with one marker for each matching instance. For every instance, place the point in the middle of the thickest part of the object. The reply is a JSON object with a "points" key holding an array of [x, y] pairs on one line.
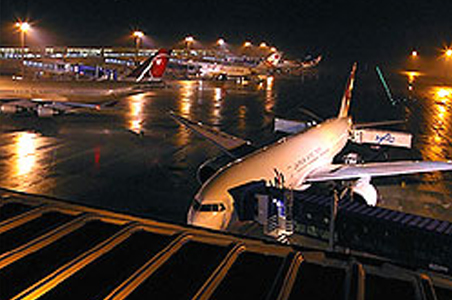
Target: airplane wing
{"points": [[347, 172], [49, 108], [381, 123], [224, 141]]}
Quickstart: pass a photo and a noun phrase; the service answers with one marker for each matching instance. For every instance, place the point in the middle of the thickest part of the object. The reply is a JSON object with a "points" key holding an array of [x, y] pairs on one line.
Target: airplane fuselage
{"points": [[215, 70], [63, 90], [294, 157]]}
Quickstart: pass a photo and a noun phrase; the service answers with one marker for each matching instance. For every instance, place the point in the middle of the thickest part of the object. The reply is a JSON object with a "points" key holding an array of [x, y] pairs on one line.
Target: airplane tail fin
{"points": [[154, 67], [345, 105], [271, 61]]}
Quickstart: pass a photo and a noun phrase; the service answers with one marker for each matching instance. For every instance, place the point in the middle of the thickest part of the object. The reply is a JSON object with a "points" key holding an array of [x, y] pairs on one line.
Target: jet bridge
{"points": [[412, 240]]}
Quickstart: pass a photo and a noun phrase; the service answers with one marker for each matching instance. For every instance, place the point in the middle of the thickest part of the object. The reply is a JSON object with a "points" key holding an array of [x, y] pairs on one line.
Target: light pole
{"points": [[138, 35], [246, 47], [448, 55], [188, 41], [263, 48], [23, 27], [221, 46], [220, 42]]}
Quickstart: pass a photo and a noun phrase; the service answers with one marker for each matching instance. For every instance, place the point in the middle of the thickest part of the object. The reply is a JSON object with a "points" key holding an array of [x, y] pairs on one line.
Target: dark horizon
{"points": [[362, 29]]}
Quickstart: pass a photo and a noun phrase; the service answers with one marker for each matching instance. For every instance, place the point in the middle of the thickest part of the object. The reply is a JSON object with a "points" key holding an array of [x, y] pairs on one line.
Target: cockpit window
{"points": [[196, 205], [213, 207]]}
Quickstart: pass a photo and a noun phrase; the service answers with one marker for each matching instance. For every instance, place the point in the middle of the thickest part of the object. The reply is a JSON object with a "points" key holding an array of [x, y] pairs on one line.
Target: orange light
{"points": [[138, 34], [263, 45], [189, 39], [23, 26], [414, 53], [412, 75], [247, 44], [448, 53], [443, 92]]}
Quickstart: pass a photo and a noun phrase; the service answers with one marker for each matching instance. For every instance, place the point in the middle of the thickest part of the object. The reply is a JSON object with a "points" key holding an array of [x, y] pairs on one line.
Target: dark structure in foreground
{"points": [[54, 250], [411, 240]]}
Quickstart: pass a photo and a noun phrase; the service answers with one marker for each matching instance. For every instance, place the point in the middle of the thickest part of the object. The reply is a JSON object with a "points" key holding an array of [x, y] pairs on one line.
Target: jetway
{"points": [[413, 240]]}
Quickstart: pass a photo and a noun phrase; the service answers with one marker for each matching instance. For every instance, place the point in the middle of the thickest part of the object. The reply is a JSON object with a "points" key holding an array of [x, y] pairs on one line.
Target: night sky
{"points": [[359, 29]]}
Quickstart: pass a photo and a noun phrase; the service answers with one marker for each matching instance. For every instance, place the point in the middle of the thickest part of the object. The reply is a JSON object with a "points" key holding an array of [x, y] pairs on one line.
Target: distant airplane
{"points": [[298, 161], [222, 71], [49, 98], [292, 65]]}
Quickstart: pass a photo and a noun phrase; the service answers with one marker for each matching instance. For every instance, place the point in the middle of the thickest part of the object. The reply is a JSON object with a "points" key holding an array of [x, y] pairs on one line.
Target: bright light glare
{"points": [[270, 81], [23, 26], [138, 34], [414, 53], [189, 39], [247, 44], [448, 52], [25, 153], [220, 42], [135, 116], [443, 93], [412, 75], [263, 45]]}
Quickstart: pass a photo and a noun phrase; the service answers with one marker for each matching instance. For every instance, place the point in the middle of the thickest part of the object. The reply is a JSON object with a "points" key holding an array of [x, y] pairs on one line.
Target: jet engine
{"points": [[9, 109], [45, 112], [367, 191]]}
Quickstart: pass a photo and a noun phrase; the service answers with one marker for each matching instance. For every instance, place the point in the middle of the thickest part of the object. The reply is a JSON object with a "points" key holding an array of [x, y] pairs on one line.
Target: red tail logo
{"points": [[273, 59], [159, 63]]}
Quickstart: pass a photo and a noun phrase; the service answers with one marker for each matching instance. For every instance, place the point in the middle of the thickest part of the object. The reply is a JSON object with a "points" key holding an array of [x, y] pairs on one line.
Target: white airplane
{"points": [[302, 159], [308, 63], [50, 98], [226, 71]]}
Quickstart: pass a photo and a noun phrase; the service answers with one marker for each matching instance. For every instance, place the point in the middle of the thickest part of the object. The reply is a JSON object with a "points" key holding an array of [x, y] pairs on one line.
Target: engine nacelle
{"points": [[9, 109], [45, 112], [366, 190]]}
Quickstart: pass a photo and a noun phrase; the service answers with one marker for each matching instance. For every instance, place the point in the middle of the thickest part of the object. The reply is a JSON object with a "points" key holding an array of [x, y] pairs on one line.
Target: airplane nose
{"points": [[206, 219]]}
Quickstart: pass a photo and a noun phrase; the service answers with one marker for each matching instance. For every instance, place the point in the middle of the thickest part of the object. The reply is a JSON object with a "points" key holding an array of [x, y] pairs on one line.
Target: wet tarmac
{"points": [[136, 159]]}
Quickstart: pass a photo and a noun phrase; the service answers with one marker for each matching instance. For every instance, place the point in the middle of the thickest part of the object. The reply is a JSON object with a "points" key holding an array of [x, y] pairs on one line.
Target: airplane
{"points": [[49, 98], [301, 159], [223, 71], [292, 65]]}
